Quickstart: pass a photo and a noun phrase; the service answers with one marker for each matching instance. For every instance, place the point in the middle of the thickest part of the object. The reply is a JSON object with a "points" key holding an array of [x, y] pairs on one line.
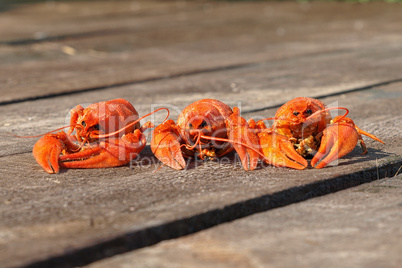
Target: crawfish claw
{"points": [[244, 140], [338, 140], [279, 151], [47, 150], [166, 146]]}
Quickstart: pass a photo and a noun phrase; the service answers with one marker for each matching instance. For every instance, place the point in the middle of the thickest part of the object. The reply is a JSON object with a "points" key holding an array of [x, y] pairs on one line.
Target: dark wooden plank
{"points": [[227, 36], [23, 22], [28, 22], [358, 227]]}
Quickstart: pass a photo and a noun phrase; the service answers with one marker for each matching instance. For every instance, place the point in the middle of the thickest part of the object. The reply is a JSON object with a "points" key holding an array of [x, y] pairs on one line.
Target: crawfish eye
{"points": [[203, 124], [83, 124], [296, 113], [309, 112], [190, 125], [96, 127]]}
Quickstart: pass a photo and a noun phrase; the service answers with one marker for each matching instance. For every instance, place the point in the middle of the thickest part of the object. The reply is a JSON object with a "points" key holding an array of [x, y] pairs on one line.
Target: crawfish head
{"points": [[294, 118], [103, 118], [204, 118]]}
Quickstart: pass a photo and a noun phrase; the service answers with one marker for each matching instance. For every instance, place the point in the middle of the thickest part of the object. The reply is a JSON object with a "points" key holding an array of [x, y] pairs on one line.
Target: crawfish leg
{"points": [[362, 144], [91, 158]]}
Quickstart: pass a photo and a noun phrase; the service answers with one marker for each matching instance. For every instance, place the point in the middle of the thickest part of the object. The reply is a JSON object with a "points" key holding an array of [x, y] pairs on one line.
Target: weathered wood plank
{"points": [[224, 37], [253, 55], [21, 23], [358, 227], [78, 208]]}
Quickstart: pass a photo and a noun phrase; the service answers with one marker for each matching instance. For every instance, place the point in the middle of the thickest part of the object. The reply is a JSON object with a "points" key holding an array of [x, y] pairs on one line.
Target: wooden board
{"points": [[132, 48], [79, 216], [358, 227]]}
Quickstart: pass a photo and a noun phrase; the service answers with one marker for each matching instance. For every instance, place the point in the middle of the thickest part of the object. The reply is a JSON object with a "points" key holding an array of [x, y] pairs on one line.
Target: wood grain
{"points": [[147, 47], [252, 55]]}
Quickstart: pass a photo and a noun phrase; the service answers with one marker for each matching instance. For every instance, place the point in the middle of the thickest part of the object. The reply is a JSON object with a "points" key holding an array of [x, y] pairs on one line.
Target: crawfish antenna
{"points": [[40, 135], [266, 119], [327, 109], [130, 125]]}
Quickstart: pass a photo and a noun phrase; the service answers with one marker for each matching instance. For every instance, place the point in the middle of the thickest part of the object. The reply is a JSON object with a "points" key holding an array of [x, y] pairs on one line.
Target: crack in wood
{"points": [[149, 236], [58, 38], [133, 82], [195, 72], [14, 154]]}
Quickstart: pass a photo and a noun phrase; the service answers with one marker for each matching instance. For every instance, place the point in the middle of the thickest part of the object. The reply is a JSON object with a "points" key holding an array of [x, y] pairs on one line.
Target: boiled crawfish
{"points": [[303, 127], [208, 129], [107, 134]]}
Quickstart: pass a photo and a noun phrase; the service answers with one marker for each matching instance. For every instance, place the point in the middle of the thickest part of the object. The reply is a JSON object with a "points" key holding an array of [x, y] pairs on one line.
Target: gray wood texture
{"points": [[354, 228], [254, 55], [98, 46]]}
